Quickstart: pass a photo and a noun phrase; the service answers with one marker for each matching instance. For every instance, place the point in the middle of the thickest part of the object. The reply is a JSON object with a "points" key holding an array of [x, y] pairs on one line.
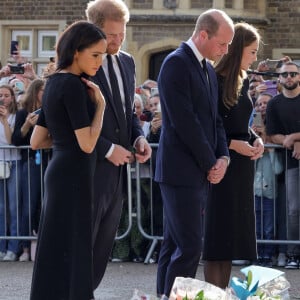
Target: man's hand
{"points": [[217, 172], [120, 156], [143, 150]]}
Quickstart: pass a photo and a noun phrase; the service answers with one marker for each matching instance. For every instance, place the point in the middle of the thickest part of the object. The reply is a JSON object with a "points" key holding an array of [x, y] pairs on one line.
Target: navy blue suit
{"points": [[192, 139], [108, 179]]}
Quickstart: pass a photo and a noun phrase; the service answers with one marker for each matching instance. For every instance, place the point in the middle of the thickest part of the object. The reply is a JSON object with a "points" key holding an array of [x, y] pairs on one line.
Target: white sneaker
{"points": [[24, 256], [2, 254], [281, 260], [10, 256]]}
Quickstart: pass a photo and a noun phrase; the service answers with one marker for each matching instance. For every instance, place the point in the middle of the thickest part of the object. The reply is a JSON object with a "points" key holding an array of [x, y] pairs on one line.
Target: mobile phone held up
{"points": [[14, 47], [257, 119], [37, 112]]}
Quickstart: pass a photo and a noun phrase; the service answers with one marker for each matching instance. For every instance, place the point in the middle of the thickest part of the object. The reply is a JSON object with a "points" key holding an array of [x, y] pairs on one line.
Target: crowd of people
{"points": [[21, 191], [209, 124]]}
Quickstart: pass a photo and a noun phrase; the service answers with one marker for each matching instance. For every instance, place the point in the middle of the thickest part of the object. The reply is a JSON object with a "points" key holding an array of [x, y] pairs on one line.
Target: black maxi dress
{"points": [[63, 265], [230, 215]]}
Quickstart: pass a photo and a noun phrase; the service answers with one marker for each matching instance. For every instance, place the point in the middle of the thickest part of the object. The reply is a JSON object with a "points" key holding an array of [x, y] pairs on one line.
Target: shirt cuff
{"points": [[110, 151], [227, 158], [137, 139]]}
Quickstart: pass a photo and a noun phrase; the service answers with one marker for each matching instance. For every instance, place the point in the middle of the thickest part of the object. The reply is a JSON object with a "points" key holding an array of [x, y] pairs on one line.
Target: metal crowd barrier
{"points": [[137, 173], [6, 152]]}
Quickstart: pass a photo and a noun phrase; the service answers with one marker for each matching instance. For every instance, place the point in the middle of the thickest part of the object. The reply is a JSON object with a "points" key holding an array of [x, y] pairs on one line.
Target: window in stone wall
{"points": [[46, 43], [24, 38]]}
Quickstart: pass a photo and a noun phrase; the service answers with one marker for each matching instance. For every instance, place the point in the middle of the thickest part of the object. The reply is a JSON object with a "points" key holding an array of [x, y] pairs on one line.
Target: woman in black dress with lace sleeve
{"points": [[230, 215], [70, 122]]}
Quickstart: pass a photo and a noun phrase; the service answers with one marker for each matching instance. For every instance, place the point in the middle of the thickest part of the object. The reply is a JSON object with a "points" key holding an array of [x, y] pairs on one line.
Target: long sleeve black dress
{"points": [[230, 214]]}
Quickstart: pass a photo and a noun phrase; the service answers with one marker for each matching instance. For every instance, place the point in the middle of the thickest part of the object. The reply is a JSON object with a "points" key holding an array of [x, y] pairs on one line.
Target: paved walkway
{"points": [[118, 284]]}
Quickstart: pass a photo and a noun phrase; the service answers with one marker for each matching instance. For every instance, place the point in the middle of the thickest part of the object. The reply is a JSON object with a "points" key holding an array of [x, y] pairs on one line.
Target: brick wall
{"points": [[69, 10]]}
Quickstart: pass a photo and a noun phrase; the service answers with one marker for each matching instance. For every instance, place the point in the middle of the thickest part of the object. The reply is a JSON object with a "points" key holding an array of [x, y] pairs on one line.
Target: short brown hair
{"points": [[98, 11]]}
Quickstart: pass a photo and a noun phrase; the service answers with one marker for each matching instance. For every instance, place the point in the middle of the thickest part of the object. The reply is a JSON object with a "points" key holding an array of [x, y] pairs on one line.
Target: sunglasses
{"points": [[286, 74]]}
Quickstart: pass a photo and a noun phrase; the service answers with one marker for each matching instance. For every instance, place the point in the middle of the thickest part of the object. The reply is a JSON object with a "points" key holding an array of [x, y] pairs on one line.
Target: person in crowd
{"points": [[149, 84], [26, 119], [230, 215], [9, 182], [19, 99], [146, 115], [283, 127], [70, 121], [7, 75], [50, 68], [193, 141], [122, 135], [141, 114], [265, 186], [157, 207], [255, 81]]}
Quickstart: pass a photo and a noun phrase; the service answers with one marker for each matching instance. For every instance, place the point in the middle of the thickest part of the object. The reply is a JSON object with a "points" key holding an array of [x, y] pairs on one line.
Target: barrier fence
{"points": [[143, 203]]}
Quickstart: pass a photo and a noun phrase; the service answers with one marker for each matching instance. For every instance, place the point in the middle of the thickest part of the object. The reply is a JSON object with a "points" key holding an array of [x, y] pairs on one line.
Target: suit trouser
{"points": [[181, 248], [108, 198]]}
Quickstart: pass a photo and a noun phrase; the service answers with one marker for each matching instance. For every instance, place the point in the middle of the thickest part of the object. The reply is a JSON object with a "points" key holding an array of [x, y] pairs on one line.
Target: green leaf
{"points": [[249, 278], [200, 296]]}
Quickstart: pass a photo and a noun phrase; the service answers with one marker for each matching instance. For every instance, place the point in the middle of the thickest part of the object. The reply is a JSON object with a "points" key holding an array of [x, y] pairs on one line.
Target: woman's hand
{"points": [[3, 114], [244, 148], [94, 92]]}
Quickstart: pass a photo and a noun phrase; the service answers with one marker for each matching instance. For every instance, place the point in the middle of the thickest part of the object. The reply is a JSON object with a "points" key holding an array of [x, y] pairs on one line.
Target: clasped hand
{"points": [[244, 148], [121, 156], [217, 172]]}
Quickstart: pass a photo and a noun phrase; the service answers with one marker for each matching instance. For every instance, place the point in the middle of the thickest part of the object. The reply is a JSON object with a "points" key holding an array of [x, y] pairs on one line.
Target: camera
{"points": [[18, 69], [146, 116]]}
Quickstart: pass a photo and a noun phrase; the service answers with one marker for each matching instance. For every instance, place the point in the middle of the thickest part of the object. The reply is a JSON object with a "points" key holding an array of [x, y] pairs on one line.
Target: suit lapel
{"points": [[128, 107], [104, 86]]}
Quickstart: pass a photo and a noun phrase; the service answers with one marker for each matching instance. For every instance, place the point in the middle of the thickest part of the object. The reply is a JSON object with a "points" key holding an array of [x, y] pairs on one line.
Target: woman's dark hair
{"points": [[230, 65], [77, 37], [30, 101]]}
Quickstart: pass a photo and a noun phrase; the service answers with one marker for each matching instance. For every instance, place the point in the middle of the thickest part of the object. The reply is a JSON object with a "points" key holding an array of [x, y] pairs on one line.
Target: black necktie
{"points": [[115, 89], [204, 67]]}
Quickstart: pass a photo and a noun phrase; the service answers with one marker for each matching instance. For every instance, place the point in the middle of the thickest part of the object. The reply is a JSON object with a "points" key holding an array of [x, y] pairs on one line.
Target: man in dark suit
{"points": [[120, 130], [193, 151]]}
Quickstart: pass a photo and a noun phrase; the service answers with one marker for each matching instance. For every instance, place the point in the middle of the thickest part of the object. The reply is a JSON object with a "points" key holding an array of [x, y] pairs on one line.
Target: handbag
{"points": [[4, 169]]}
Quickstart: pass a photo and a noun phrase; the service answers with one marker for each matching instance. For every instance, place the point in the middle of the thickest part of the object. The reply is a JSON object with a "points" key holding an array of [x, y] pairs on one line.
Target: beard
{"points": [[290, 87]]}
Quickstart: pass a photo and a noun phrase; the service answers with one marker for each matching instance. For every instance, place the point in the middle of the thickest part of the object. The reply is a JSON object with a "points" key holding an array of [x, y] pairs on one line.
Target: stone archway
{"points": [[143, 55]]}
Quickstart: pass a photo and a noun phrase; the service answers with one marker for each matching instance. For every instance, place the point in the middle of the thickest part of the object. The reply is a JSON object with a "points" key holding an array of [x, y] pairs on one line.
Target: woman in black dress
{"points": [[230, 215], [70, 122]]}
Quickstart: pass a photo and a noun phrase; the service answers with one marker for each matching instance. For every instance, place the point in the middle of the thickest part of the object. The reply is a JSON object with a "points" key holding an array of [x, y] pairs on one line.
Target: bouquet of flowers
{"points": [[261, 283]]}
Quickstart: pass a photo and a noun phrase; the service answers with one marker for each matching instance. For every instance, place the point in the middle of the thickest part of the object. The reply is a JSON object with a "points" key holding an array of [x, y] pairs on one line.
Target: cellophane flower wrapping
{"points": [[265, 284], [188, 288]]}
